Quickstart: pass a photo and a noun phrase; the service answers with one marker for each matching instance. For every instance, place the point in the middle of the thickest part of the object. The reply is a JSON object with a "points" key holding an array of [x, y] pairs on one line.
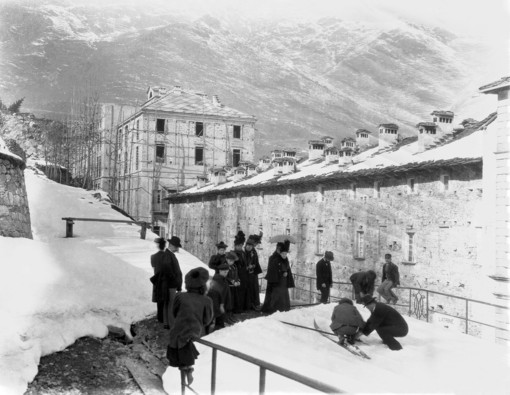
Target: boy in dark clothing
{"points": [[220, 295], [346, 321], [324, 276], [390, 279], [386, 321], [233, 284], [363, 284]]}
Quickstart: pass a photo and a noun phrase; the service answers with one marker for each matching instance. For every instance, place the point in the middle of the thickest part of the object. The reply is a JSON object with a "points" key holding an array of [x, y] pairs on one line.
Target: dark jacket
{"points": [[219, 294], [363, 283], [242, 267], [275, 269], [252, 262], [390, 272], [167, 274], [345, 313], [216, 260], [193, 312], [385, 316], [176, 276], [324, 274]]}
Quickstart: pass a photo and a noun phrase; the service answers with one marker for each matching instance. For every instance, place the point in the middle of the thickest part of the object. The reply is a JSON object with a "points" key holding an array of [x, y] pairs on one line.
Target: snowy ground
{"points": [[54, 290]]}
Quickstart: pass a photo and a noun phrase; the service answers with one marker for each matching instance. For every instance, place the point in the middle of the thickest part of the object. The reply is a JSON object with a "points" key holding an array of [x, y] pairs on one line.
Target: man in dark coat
{"points": [[167, 280], [254, 269], [346, 321], [386, 321], [218, 258], [390, 279], [324, 276], [269, 287], [175, 280], [363, 284], [279, 276]]}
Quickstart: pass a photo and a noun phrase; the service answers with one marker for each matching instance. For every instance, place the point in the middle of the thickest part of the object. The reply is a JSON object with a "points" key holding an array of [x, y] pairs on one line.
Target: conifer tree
{"points": [[14, 107]]}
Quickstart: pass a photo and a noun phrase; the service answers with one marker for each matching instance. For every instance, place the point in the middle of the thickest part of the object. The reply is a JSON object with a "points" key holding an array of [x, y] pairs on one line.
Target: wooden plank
{"points": [[100, 220], [149, 383]]}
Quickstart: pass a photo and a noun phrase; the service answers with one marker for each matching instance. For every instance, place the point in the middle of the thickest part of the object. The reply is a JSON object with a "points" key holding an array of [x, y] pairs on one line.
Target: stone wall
{"points": [[14, 212], [356, 221]]}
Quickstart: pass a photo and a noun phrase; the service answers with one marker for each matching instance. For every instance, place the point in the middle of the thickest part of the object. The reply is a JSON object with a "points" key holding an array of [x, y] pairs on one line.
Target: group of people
{"points": [[347, 322], [234, 288]]}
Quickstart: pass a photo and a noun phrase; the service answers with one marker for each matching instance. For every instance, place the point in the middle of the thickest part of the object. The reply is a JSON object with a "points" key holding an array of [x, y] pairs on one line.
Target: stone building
{"points": [[430, 204], [14, 211], [176, 136]]}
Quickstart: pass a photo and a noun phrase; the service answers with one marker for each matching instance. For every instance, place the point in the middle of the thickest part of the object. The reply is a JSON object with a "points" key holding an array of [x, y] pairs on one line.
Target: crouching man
{"points": [[386, 321], [346, 321]]}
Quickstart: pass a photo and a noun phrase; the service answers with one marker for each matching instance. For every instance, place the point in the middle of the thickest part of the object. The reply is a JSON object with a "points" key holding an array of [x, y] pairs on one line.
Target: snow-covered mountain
{"points": [[323, 76]]}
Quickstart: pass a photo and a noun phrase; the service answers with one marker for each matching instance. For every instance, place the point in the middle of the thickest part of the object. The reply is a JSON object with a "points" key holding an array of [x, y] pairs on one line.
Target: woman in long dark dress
{"points": [[279, 277]]}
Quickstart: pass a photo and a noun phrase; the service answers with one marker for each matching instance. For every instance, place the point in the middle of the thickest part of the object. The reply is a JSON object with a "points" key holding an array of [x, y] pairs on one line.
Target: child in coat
{"points": [[219, 292], [193, 313], [346, 321]]}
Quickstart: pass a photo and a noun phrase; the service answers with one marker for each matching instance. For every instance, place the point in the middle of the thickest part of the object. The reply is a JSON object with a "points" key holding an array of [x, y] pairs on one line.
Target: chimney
{"points": [[264, 163], [365, 139], [201, 181], [496, 162], [315, 149], [283, 166], [388, 134], [239, 173], [218, 176], [427, 133], [443, 121], [328, 140], [216, 101], [345, 156], [331, 154]]}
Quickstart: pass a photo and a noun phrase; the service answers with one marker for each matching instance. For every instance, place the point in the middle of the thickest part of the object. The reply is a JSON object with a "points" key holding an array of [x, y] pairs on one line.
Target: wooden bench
{"points": [[70, 223]]}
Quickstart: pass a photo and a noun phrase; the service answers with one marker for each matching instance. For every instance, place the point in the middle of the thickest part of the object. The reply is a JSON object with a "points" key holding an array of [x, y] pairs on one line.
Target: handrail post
{"points": [[310, 291], [427, 292], [183, 382], [213, 370], [143, 232], [69, 227], [467, 317], [262, 380]]}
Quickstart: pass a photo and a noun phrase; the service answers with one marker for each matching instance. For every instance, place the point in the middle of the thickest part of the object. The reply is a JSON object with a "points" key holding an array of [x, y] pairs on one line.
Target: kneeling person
{"points": [[346, 321], [386, 321]]}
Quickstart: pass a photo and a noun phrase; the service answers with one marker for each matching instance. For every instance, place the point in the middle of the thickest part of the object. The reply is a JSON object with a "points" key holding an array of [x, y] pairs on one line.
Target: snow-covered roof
{"points": [[460, 147], [191, 102], [503, 83]]}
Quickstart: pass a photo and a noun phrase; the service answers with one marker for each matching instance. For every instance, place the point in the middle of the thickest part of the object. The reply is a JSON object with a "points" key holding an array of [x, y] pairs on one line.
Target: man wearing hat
{"points": [[233, 284], [242, 271], [175, 277], [193, 313], [218, 258], [386, 321], [324, 276]]}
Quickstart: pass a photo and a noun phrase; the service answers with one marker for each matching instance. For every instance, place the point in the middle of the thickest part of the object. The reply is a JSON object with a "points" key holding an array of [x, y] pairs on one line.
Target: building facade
{"points": [[176, 136]]}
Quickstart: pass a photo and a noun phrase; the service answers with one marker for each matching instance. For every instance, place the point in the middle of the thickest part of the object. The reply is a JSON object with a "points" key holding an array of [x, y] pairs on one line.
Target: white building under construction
{"points": [[176, 137]]}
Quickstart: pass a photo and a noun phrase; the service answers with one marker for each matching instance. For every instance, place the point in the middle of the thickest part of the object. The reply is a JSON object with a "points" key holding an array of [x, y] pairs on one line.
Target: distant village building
{"points": [[175, 137], [423, 204], [365, 139], [14, 210]]}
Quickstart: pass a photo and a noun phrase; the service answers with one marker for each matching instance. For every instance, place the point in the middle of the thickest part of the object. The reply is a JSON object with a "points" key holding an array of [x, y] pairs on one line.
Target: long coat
{"points": [[254, 269], [324, 274], [390, 272], [164, 276], [193, 313], [280, 283]]}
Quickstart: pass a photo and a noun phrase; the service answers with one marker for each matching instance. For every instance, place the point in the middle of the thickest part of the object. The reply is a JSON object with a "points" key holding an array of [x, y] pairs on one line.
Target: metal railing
{"points": [[416, 300], [264, 366]]}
